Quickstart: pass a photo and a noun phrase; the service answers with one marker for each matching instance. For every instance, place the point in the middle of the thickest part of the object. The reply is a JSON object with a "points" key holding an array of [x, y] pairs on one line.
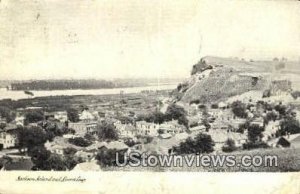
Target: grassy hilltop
{"points": [[215, 79]]}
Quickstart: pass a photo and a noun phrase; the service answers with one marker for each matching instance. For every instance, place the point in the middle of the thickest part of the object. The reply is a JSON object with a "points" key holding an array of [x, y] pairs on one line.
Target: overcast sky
{"points": [[139, 38]]}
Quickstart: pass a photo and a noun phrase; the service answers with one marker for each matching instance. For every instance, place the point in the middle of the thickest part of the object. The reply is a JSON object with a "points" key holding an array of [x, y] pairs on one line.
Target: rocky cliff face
{"points": [[216, 79]]}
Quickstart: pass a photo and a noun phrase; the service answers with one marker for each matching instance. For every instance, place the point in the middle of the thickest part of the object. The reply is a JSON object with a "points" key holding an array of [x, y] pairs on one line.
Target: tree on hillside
{"points": [[288, 126], [2, 125], [7, 113], [73, 115], [270, 116], [158, 117], [202, 143], [107, 131], [125, 120], [155, 117], [255, 133], [239, 109], [281, 109], [255, 138], [177, 113], [229, 145]]}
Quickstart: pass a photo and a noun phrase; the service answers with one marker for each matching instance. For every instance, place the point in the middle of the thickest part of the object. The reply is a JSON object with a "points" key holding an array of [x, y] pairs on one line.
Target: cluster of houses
{"points": [[223, 125]]}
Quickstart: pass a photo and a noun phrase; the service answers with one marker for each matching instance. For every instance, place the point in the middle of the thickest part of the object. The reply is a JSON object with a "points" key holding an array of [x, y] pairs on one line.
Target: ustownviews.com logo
{"points": [[136, 159]]}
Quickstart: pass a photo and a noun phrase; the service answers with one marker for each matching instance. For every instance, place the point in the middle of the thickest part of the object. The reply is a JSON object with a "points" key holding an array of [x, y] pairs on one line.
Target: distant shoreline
{"points": [[20, 94], [118, 87]]}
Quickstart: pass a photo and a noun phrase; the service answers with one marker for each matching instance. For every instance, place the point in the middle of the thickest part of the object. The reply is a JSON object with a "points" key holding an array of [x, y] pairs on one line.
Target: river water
{"points": [[16, 95]]}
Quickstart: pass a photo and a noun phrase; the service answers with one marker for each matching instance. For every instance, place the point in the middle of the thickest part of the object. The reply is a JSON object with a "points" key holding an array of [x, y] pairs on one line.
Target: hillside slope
{"points": [[214, 79]]}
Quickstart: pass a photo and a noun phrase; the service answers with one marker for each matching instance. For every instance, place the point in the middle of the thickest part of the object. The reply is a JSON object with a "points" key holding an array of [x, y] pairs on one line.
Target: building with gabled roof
{"points": [[8, 136]]}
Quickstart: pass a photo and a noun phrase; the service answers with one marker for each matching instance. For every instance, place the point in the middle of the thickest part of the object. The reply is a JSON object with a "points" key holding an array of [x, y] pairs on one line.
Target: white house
{"points": [[145, 128], [126, 130], [172, 127], [82, 128], [271, 129], [86, 116], [19, 120], [8, 137]]}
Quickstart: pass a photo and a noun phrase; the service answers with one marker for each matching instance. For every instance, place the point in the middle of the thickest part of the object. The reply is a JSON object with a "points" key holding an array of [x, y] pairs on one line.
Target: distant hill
{"points": [[214, 79]]}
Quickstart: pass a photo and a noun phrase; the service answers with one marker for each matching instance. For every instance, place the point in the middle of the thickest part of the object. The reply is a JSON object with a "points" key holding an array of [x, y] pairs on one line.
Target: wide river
{"points": [[16, 95]]}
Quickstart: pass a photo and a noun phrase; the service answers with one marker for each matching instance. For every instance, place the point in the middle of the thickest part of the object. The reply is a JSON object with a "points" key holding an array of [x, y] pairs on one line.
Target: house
{"points": [[94, 148], [222, 105], [161, 146], [59, 144], [101, 114], [19, 120], [165, 136], [235, 123], [221, 119], [171, 127], [271, 129], [280, 86], [145, 128], [86, 156], [125, 130], [151, 129], [114, 145], [221, 136], [8, 136], [198, 128], [82, 128], [56, 149], [86, 116], [258, 121]]}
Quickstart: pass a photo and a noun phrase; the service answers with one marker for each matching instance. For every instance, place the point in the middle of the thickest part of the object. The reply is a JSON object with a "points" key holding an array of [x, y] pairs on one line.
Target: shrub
{"points": [[239, 109], [129, 142], [289, 125], [254, 145], [79, 141], [229, 146], [202, 143], [73, 115], [107, 131], [197, 101], [108, 158], [255, 133], [33, 116], [214, 106]]}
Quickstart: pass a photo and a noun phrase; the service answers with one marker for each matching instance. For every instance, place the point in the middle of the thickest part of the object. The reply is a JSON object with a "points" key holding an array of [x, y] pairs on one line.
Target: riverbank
{"points": [[17, 95]]}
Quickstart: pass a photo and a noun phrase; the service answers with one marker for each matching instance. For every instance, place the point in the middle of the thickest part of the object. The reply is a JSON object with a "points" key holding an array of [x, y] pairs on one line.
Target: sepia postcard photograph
{"points": [[140, 96]]}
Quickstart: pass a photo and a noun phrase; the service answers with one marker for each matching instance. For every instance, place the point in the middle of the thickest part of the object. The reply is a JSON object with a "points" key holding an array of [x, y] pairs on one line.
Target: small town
{"points": [[143, 96], [67, 133]]}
